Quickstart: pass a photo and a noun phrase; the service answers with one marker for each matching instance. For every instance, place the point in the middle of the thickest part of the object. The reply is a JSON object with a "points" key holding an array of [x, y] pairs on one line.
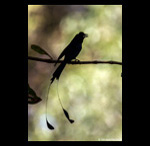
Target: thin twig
{"points": [[73, 62]]}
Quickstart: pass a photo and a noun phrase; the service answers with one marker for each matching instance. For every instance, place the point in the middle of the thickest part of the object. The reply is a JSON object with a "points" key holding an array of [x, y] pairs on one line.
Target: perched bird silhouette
{"points": [[69, 53]]}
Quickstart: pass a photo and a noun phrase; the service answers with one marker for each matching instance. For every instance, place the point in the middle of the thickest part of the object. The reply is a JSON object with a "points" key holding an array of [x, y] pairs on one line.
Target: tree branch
{"points": [[73, 62]]}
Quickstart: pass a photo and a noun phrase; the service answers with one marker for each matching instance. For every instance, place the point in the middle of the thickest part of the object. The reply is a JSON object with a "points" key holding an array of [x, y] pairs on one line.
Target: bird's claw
{"points": [[77, 60]]}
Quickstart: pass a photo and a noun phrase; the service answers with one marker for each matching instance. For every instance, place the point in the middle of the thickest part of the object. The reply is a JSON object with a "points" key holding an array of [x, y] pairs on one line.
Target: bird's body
{"points": [[69, 53]]}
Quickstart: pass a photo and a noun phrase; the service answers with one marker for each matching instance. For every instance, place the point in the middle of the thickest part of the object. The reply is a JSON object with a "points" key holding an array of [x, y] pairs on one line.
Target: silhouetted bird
{"points": [[69, 53]]}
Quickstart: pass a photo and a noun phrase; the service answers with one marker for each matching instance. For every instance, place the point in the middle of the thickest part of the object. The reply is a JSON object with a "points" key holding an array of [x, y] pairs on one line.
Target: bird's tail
{"points": [[58, 71]]}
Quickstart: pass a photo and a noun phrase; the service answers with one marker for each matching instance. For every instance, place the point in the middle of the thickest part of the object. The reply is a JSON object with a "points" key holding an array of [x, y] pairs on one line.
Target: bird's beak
{"points": [[85, 35]]}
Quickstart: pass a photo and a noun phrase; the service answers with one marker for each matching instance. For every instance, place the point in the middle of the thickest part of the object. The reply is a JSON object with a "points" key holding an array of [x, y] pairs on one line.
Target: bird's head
{"points": [[79, 38], [82, 35]]}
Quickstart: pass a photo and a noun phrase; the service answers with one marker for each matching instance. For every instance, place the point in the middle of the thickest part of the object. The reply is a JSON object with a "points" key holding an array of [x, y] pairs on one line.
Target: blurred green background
{"points": [[92, 94]]}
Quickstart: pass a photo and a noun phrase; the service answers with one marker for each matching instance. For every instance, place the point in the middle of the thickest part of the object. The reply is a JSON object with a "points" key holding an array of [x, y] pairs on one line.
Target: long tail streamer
{"points": [[48, 124], [65, 112]]}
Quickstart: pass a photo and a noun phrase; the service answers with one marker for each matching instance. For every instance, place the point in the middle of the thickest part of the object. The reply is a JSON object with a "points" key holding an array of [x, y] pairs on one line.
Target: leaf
{"points": [[40, 50], [67, 116], [49, 125], [31, 91], [33, 100], [32, 97]]}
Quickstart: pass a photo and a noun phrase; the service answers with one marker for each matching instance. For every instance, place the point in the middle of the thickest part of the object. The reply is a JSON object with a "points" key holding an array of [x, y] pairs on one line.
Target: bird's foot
{"points": [[77, 60]]}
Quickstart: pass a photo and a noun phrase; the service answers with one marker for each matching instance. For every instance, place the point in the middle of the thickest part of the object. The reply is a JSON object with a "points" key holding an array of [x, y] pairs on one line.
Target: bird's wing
{"points": [[65, 51], [61, 55]]}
